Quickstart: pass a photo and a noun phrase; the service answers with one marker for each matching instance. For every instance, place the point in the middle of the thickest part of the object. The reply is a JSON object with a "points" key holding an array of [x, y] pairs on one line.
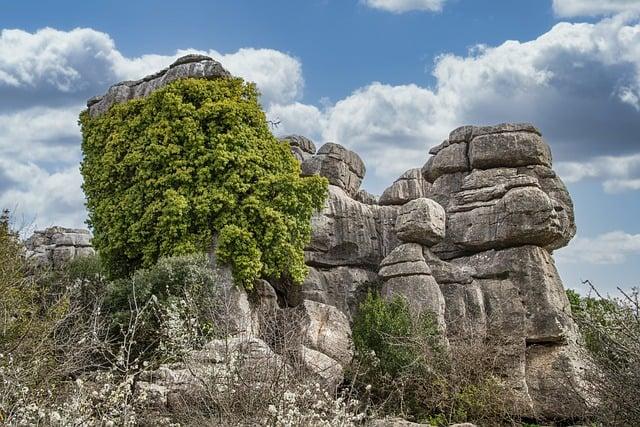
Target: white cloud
{"points": [[43, 198], [610, 248], [573, 8], [401, 6], [577, 82], [41, 134], [84, 62], [618, 173]]}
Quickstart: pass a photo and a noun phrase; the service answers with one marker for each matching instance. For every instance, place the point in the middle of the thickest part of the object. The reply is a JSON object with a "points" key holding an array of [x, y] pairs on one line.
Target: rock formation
{"points": [[469, 237], [55, 245]]}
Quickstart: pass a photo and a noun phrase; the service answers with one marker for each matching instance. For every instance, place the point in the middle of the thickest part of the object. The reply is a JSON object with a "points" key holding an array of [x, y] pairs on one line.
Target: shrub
{"points": [[45, 332], [610, 328], [164, 174], [177, 301], [409, 370]]}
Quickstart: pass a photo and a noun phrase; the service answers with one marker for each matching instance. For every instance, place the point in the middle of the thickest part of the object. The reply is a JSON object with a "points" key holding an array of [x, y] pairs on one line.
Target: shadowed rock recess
{"points": [[469, 236]]}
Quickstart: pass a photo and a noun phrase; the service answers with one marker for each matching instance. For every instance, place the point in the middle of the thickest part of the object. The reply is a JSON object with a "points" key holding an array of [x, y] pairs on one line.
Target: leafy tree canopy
{"points": [[164, 175]]}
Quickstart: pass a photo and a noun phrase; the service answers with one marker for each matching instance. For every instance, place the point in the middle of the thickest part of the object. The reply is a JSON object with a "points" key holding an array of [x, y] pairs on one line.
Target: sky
{"points": [[386, 78]]}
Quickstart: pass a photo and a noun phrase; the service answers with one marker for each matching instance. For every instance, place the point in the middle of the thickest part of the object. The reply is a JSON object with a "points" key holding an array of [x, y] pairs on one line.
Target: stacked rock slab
{"points": [[506, 211], [420, 224], [54, 246], [351, 235]]}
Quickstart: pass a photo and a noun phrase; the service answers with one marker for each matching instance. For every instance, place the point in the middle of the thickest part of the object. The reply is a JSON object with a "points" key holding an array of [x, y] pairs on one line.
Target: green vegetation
{"points": [[165, 174], [610, 328], [404, 365]]}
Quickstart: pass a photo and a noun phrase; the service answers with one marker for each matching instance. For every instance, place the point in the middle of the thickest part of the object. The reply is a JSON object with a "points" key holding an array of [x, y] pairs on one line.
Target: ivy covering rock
{"points": [[165, 174]]}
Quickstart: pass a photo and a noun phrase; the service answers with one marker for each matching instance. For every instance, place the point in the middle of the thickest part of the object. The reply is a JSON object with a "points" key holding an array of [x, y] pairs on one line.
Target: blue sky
{"points": [[387, 78]]}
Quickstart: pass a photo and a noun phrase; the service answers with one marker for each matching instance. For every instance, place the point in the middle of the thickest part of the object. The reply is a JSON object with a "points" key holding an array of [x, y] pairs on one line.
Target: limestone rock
{"points": [[55, 246], [514, 198], [340, 166], [411, 185], [323, 366], [301, 147], [363, 196], [327, 330], [304, 143], [508, 149], [349, 233], [406, 273], [340, 287], [421, 221], [405, 260], [189, 66], [220, 362], [450, 159]]}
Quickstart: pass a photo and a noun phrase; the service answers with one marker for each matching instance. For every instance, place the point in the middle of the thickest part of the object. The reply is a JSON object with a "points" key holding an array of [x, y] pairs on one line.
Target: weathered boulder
{"points": [[301, 147], [340, 166], [219, 365], [54, 246], [450, 159], [349, 233], [189, 66], [421, 221], [406, 273], [411, 185], [326, 329]]}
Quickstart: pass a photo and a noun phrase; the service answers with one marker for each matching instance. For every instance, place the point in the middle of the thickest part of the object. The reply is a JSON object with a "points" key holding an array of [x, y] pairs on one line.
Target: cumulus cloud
{"points": [[618, 173], [573, 8], [41, 198], [401, 6], [51, 66], [609, 248], [578, 82]]}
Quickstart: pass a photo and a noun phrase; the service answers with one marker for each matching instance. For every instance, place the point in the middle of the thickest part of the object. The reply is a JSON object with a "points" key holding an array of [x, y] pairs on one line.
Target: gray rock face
{"points": [[301, 147], [342, 287], [327, 330], [340, 166], [421, 221], [349, 233], [54, 246], [189, 66], [411, 185], [509, 196], [405, 272]]}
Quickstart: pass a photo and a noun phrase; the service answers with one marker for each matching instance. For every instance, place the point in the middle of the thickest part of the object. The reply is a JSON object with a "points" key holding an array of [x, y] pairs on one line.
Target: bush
{"points": [[409, 370], [176, 301], [48, 333], [610, 328], [164, 174]]}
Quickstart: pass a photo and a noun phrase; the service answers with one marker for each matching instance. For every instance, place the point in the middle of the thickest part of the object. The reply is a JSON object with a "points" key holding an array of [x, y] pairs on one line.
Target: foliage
{"points": [[409, 370], [177, 298], [610, 327], [385, 328], [164, 174], [44, 338]]}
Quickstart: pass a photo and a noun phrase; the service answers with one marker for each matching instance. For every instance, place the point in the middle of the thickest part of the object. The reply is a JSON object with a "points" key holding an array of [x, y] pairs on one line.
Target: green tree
{"points": [[165, 174]]}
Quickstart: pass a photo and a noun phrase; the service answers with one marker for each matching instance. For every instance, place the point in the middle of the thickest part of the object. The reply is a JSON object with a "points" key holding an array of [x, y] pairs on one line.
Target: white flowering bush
{"points": [[314, 406]]}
